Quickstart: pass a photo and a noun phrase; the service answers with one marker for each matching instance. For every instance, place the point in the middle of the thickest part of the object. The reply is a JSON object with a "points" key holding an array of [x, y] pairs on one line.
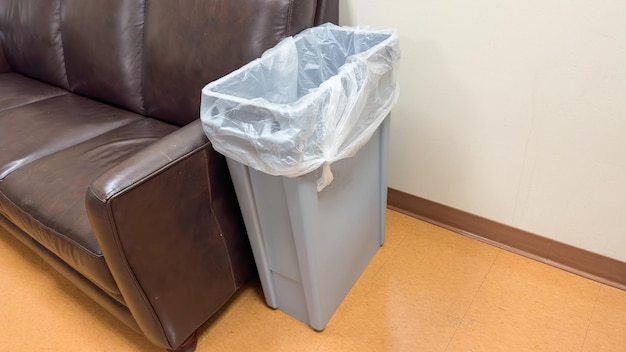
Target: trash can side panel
{"points": [[350, 234], [272, 208], [302, 198], [291, 297], [385, 129], [245, 196]]}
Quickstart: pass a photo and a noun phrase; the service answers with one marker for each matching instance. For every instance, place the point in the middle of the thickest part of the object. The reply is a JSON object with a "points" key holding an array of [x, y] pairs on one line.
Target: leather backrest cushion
{"points": [[189, 43], [32, 39], [149, 56], [102, 40], [327, 11]]}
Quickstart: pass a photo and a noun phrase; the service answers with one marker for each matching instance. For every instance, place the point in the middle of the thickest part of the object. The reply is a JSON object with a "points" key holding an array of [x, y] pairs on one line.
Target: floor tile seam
{"points": [[337, 324], [469, 306], [518, 348], [401, 239], [392, 254], [319, 347], [593, 312], [333, 329], [377, 270]]}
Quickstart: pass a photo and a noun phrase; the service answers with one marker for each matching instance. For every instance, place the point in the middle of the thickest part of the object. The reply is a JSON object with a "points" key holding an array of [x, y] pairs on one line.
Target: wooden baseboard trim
{"points": [[575, 260]]}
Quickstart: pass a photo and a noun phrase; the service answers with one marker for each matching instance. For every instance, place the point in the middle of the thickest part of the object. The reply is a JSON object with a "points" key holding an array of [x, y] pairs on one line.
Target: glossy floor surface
{"points": [[427, 289]]}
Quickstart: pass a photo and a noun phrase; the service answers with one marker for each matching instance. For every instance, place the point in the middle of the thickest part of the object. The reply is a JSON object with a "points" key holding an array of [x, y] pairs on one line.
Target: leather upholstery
{"points": [[32, 39], [190, 235], [104, 168], [102, 50], [327, 11], [50, 125], [17, 90], [207, 49], [109, 302], [4, 65], [62, 225]]}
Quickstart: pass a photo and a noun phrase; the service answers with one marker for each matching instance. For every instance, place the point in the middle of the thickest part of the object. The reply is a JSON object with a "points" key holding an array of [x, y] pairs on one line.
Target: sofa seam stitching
{"points": [[64, 62], [289, 18]]}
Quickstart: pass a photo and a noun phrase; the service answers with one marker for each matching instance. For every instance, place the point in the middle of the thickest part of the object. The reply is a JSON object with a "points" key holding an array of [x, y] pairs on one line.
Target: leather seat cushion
{"points": [[17, 90], [47, 126], [46, 197]]}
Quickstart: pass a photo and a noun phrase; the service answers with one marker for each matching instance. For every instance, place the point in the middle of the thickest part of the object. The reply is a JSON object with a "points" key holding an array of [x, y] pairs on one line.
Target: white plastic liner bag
{"points": [[311, 100]]}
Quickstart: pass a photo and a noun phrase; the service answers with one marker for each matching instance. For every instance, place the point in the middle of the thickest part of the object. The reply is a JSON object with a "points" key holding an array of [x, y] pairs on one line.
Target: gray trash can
{"points": [[305, 132]]}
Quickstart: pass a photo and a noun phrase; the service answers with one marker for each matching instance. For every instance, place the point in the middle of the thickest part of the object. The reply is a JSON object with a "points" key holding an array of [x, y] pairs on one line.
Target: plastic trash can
{"points": [[305, 131]]}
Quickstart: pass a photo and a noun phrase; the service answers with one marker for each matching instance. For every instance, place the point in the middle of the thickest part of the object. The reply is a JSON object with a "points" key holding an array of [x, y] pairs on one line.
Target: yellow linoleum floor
{"points": [[427, 289]]}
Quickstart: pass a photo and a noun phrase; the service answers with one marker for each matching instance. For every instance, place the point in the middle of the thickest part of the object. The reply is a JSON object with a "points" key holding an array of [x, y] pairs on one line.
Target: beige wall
{"points": [[513, 110]]}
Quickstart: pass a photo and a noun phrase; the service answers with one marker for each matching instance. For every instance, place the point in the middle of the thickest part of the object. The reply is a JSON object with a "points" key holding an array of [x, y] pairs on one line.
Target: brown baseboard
{"points": [[575, 260]]}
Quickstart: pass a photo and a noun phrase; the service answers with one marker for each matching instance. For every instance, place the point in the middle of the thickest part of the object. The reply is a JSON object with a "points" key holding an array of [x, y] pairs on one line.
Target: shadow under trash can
{"points": [[305, 130]]}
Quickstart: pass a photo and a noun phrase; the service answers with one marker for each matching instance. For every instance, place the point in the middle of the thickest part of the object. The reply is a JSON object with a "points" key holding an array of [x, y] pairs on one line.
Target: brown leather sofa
{"points": [[105, 171]]}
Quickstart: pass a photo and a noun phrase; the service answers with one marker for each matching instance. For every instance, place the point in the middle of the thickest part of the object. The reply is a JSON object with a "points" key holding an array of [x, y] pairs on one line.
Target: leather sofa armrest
{"points": [[169, 226], [149, 162]]}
